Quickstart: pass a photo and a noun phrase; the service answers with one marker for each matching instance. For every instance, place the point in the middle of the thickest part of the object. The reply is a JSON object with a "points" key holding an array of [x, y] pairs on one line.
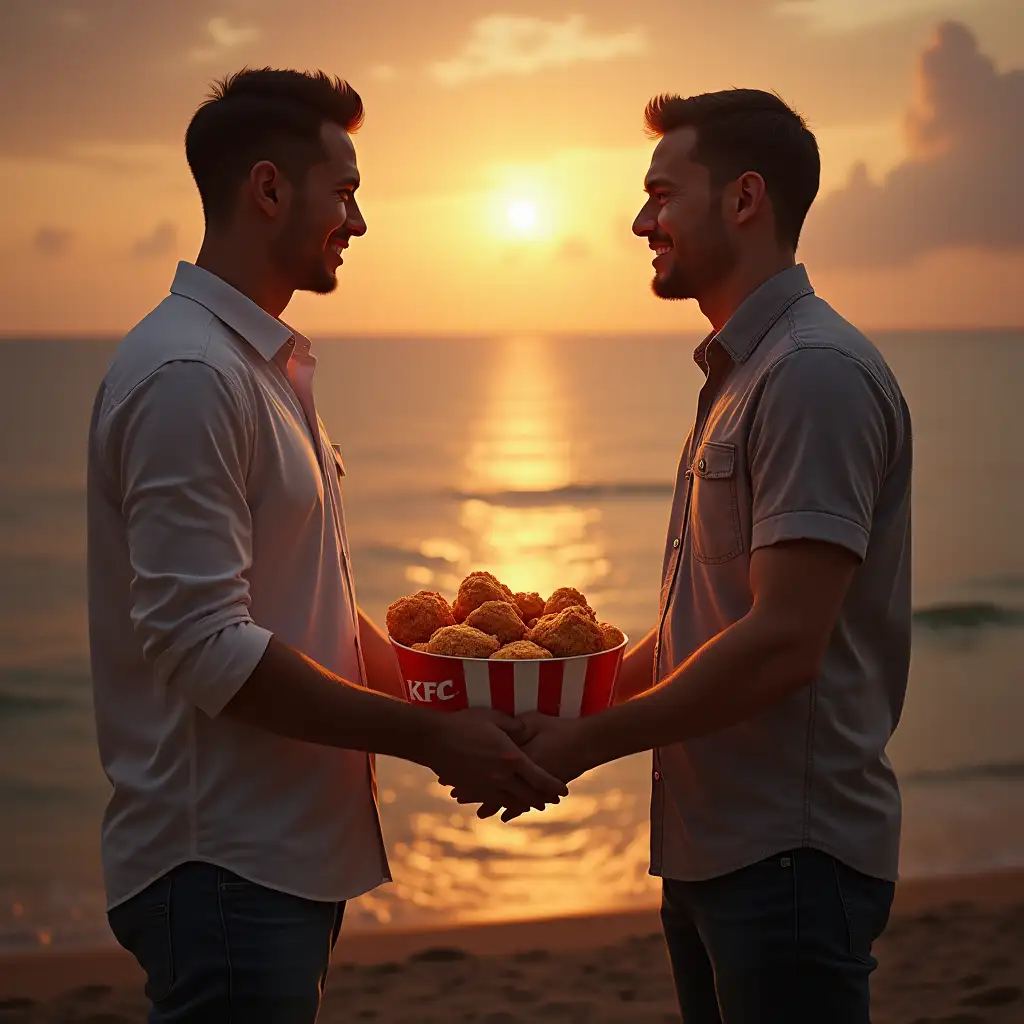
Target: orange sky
{"points": [[472, 107]]}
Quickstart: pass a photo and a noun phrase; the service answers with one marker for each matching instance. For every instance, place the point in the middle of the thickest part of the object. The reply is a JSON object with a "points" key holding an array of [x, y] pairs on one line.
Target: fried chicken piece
{"points": [[567, 597], [422, 648], [521, 650], [414, 620], [440, 597], [568, 634], [462, 642], [531, 606], [613, 636], [498, 618], [474, 591], [490, 577]]}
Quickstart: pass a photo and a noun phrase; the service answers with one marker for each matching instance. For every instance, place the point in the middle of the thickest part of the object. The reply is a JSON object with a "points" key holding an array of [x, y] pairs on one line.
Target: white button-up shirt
{"points": [[214, 521]]}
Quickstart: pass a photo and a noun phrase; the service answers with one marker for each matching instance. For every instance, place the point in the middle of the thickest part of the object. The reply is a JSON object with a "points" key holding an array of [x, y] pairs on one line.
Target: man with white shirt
{"points": [[233, 670]]}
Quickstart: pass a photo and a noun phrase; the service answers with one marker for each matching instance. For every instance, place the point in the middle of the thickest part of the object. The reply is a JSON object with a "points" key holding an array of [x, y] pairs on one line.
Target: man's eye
{"points": [[344, 196]]}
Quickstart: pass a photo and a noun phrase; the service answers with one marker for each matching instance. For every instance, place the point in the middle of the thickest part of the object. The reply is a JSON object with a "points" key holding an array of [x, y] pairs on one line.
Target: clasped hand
{"points": [[512, 763]]}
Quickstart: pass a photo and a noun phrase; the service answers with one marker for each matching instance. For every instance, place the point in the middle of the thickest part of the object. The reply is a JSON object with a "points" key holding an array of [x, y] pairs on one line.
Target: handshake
{"points": [[487, 756], [499, 762]]}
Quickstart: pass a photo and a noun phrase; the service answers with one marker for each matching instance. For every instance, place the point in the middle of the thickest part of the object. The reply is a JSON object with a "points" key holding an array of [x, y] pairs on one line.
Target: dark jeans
{"points": [[784, 941], [220, 949]]}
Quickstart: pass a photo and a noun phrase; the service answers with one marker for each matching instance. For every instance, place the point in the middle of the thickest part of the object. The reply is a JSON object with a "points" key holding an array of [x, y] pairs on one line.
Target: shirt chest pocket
{"points": [[715, 531]]}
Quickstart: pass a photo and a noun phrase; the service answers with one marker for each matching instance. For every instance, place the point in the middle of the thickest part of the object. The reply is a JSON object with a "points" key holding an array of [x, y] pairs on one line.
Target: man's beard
{"points": [[318, 279], [715, 259], [674, 283], [307, 271]]}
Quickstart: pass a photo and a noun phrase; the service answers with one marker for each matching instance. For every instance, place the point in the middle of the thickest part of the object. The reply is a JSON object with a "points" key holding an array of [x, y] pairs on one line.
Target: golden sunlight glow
{"points": [[522, 215], [583, 855], [522, 440], [524, 447], [537, 549], [521, 206], [518, 518]]}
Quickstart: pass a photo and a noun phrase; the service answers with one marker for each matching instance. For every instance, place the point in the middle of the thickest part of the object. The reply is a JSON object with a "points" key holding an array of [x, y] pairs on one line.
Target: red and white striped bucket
{"points": [[563, 687]]}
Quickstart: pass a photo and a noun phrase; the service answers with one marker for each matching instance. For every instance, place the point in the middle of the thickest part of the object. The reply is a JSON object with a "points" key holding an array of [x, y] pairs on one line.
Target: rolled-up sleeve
{"points": [[819, 448], [180, 443]]}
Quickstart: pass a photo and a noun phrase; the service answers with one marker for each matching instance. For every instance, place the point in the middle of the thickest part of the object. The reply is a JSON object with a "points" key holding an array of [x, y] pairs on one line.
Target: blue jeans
{"points": [[784, 941], [219, 949]]}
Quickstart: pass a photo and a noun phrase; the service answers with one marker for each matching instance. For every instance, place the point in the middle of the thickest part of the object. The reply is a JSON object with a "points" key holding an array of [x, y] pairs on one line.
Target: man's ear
{"points": [[266, 186], [750, 195]]}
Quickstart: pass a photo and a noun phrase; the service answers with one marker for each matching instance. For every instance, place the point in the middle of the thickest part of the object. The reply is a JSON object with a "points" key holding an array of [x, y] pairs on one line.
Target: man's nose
{"points": [[354, 222], [645, 223]]}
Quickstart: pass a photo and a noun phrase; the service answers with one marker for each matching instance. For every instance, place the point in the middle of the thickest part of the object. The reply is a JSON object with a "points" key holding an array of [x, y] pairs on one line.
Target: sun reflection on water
{"points": [[521, 441], [588, 853], [521, 453], [591, 851], [536, 548]]}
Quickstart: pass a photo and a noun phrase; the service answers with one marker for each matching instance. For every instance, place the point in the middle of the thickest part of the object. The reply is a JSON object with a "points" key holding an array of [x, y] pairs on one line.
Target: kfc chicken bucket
{"points": [[511, 652], [565, 687]]}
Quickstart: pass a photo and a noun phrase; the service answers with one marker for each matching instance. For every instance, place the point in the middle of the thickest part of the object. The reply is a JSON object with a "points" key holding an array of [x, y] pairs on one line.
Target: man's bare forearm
{"points": [[637, 673], [291, 695], [745, 669], [382, 672]]}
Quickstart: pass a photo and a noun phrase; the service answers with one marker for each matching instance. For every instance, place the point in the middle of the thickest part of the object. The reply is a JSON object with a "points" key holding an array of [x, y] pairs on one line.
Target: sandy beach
{"points": [[953, 954]]}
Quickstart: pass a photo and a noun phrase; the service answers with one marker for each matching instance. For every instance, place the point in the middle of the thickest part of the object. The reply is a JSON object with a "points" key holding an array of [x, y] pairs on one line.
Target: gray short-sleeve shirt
{"points": [[801, 433]]}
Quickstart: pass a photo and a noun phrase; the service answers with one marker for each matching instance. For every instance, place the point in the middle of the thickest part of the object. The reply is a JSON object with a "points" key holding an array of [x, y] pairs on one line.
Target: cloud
{"points": [[52, 242], [841, 16], [224, 37], [503, 44], [960, 183], [159, 242], [383, 72]]}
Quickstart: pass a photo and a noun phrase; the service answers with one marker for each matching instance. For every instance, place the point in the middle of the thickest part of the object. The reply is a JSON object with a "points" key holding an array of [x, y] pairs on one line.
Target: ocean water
{"points": [[548, 461]]}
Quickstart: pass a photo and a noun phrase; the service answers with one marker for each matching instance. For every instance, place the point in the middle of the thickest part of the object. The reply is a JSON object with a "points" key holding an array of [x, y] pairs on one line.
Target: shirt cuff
{"points": [[824, 526], [215, 670]]}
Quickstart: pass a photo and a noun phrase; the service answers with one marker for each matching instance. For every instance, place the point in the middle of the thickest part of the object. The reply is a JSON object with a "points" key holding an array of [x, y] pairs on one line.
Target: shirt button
{"points": [[702, 465], [657, 776], [675, 543]]}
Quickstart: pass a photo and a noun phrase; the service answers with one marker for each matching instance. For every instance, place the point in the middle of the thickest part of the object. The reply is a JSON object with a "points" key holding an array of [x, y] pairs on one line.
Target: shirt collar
{"points": [[758, 313], [300, 344], [265, 333]]}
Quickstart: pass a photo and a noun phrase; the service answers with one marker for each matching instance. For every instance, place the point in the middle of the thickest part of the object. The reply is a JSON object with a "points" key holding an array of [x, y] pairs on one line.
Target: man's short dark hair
{"points": [[740, 130], [263, 114]]}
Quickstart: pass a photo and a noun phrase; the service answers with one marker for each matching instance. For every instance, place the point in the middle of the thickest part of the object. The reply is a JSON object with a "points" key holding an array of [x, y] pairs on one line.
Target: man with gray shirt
{"points": [[782, 650]]}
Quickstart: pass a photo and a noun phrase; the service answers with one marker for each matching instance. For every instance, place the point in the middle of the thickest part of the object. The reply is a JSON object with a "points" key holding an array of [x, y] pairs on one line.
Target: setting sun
{"points": [[522, 215]]}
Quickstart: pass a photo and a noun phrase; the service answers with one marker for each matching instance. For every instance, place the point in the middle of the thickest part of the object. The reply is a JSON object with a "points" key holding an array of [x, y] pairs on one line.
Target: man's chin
{"points": [[669, 286], [320, 284]]}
